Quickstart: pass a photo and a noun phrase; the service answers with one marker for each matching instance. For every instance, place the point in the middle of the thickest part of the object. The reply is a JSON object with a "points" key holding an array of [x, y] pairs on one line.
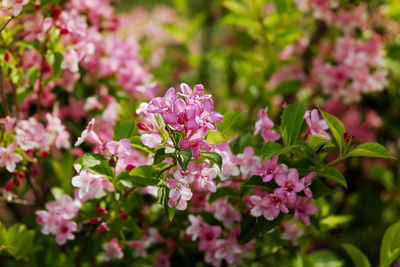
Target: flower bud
{"points": [[102, 228]]}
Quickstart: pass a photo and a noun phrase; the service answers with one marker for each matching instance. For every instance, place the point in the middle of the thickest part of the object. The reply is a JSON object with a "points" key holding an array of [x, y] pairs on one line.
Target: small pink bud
{"points": [[44, 153], [21, 175], [17, 182], [129, 167], [94, 221], [56, 13], [101, 211], [9, 185], [102, 228]]}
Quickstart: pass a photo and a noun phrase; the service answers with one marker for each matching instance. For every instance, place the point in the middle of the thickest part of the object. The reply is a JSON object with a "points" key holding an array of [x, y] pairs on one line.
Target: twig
{"points": [[17, 201], [15, 107], [315, 38], [4, 103], [38, 194], [5, 25], [168, 167], [41, 79]]}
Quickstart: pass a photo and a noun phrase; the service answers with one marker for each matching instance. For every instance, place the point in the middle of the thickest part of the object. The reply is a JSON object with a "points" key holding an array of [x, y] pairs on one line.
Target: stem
{"points": [[168, 167], [37, 193], [39, 104], [15, 107], [3, 94], [5, 25], [335, 161]]}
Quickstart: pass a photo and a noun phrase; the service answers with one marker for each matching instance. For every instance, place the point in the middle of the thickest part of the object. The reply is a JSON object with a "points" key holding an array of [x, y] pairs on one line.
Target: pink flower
{"points": [[265, 125], [229, 161], [195, 141], [226, 213], [30, 134], [89, 135], [289, 184], [269, 169], [71, 60], [194, 229], [291, 232], [56, 220], [9, 158], [247, 162], [316, 125], [113, 250], [151, 140], [90, 185], [208, 236], [304, 209], [306, 180], [206, 178], [162, 260], [57, 132], [179, 191], [8, 123], [64, 231], [270, 205], [16, 5]]}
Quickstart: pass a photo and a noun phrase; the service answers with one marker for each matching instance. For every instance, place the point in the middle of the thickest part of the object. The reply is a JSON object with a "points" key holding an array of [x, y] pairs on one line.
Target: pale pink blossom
{"points": [[226, 213], [291, 232], [265, 125], [179, 192], [90, 185], [208, 236], [113, 250], [195, 226], [270, 205], [248, 162], [89, 135], [289, 184], [269, 169], [304, 209], [15, 5], [8, 157]]}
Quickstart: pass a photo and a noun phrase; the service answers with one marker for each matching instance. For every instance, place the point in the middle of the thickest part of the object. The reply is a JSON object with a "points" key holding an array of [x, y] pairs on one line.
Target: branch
{"points": [[307, 56]]}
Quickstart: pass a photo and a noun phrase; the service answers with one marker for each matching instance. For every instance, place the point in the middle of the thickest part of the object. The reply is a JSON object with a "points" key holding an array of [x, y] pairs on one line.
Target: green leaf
{"points": [[316, 141], [319, 189], [90, 160], [144, 175], [184, 156], [216, 137], [251, 227], [357, 256], [103, 169], [23, 93], [258, 182], [124, 129], [159, 156], [390, 248], [334, 221], [236, 7], [171, 213], [212, 156], [292, 119], [224, 192], [248, 229], [337, 129], [33, 75], [270, 149], [369, 150], [334, 174], [229, 119]]}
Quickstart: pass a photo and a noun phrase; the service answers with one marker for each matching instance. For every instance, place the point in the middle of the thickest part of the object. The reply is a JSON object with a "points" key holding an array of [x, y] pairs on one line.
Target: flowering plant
{"points": [[99, 166]]}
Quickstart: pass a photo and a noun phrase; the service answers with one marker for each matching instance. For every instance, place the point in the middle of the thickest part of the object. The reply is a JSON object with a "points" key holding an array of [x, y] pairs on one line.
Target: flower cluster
{"points": [[194, 114], [216, 244], [58, 217], [285, 196]]}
